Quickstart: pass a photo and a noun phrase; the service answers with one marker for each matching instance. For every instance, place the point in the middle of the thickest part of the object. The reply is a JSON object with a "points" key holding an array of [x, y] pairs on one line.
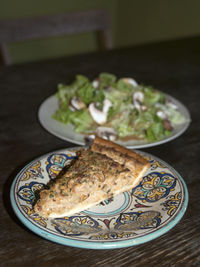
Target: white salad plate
{"points": [[66, 131], [146, 212]]}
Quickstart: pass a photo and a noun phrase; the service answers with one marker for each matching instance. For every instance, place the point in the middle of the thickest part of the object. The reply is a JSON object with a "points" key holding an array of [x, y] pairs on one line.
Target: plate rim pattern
{"points": [[100, 244]]}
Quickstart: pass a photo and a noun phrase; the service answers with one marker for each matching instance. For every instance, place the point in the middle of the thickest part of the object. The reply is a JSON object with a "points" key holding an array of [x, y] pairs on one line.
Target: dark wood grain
{"points": [[23, 29], [173, 67]]}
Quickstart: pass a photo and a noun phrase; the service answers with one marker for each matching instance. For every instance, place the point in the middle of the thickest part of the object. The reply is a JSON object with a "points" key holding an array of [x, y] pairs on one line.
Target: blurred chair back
{"points": [[22, 29]]}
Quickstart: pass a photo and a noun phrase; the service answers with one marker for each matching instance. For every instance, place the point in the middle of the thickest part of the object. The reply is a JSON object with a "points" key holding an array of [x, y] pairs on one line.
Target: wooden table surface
{"points": [[173, 67]]}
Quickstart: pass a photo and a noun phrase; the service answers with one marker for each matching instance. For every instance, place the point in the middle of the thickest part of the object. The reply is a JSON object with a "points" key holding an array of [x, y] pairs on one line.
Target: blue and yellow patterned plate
{"points": [[146, 212]]}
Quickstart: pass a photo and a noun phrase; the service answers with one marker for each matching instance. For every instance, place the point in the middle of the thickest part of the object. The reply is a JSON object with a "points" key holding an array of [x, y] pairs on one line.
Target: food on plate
{"points": [[117, 109], [98, 173]]}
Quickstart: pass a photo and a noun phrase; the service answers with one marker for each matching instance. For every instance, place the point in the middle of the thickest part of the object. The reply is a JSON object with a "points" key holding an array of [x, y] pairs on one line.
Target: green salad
{"points": [[116, 109]]}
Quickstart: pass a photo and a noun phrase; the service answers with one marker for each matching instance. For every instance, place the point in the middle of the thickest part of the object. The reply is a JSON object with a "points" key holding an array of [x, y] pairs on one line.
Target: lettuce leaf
{"points": [[82, 121], [156, 131], [64, 94], [152, 96], [80, 81], [123, 86], [86, 93], [63, 115], [107, 78], [124, 129]]}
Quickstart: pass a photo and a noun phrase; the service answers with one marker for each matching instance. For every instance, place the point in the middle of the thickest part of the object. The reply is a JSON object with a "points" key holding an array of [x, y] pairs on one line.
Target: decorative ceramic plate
{"points": [[66, 131], [146, 212]]}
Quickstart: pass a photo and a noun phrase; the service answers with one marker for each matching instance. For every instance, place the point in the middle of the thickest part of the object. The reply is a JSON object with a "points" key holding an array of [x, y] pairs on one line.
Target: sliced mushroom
{"points": [[106, 133], [138, 98], [106, 105], [130, 81], [95, 83], [161, 114], [100, 116], [76, 104]]}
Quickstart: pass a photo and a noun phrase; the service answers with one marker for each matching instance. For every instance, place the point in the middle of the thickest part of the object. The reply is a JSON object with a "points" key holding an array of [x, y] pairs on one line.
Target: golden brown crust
{"points": [[118, 153], [123, 150]]}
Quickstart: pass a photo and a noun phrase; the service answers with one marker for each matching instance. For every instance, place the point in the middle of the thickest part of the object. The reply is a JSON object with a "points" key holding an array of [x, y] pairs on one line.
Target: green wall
{"points": [[147, 21], [133, 22]]}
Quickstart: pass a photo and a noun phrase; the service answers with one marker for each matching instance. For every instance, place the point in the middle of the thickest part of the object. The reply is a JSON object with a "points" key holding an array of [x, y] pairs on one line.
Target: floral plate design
{"points": [[146, 212]]}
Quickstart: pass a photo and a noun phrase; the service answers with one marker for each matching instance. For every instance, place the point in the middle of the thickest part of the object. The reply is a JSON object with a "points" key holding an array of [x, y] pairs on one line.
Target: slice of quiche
{"points": [[99, 172]]}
